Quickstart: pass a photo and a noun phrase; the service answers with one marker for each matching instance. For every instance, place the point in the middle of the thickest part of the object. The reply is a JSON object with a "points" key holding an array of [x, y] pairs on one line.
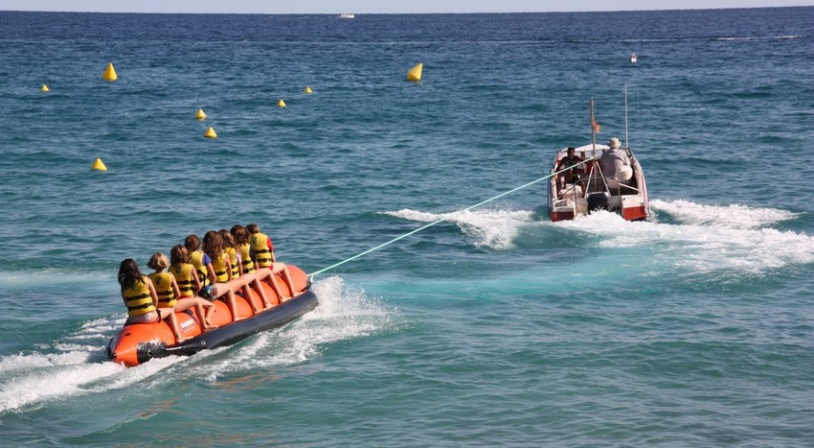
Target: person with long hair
{"points": [[197, 257], [246, 267], [139, 296], [186, 280], [220, 273]]}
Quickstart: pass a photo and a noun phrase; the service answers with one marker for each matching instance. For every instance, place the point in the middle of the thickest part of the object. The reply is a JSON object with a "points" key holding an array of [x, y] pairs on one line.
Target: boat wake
{"points": [[75, 365], [495, 229], [733, 216], [705, 238], [694, 237]]}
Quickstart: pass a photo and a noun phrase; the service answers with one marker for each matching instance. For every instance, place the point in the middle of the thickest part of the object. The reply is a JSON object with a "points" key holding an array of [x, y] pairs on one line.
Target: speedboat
{"points": [[138, 343], [589, 191], [347, 15]]}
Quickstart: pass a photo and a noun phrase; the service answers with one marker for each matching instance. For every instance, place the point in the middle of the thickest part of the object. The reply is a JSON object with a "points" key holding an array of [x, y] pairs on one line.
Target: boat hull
{"points": [[138, 343]]}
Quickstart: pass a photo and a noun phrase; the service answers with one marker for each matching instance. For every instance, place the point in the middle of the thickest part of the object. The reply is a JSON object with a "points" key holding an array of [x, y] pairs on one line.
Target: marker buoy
{"points": [[45, 88], [308, 90], [210, 133], [281, 103], [110, 73], [415, 73], [200, 115], [98, 165]]}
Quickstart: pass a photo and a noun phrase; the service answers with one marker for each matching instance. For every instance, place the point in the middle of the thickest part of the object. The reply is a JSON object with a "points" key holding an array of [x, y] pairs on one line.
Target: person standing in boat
{"points": [[139, 295], [262, 251], [615, 163], [569, 163]]}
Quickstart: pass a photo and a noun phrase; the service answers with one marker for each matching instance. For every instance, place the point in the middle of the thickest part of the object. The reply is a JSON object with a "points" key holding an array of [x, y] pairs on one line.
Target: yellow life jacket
{"points": [[196, 258], [246, 258], [138, 299], [163, 289], [233, 261], [262, 254], [219, 265], [183, 276]]}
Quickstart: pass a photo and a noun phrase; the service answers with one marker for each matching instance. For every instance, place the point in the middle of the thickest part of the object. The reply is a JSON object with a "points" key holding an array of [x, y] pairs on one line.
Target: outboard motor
{"points": [[598, 201]]}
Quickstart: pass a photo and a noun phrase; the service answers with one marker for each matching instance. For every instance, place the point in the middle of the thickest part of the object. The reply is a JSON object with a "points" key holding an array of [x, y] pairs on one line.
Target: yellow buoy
{"points": [[308, 90], [281, 103], [210, 133], [110, 73], [415, 73], [45, 88], [98, 165], [200, 115]]}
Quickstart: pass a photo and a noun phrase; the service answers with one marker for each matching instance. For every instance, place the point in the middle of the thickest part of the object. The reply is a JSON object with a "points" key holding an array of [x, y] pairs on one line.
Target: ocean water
{"points": [[493, 328]]}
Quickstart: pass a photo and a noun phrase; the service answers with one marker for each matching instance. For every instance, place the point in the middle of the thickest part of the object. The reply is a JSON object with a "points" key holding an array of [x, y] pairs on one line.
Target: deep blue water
{"points": [[497, 328]]}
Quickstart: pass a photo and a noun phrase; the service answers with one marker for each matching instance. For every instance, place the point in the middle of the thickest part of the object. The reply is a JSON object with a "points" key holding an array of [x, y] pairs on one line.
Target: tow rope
{"points": [[427, 226]]}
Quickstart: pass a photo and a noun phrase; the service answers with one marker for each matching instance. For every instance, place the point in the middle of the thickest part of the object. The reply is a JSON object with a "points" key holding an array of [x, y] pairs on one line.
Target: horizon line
{"points": [[402, 13]]}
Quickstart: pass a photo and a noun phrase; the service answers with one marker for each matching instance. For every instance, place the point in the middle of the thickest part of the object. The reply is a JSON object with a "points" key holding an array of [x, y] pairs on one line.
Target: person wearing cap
{"points": [[615, 163]]}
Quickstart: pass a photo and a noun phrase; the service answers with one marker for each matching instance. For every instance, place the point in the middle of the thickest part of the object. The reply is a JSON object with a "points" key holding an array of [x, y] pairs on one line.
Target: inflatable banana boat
{"points": [[138, 343]]}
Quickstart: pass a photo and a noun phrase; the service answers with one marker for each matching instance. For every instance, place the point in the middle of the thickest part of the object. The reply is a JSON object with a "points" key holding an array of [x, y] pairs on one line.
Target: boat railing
{"points": [[609, 185]]}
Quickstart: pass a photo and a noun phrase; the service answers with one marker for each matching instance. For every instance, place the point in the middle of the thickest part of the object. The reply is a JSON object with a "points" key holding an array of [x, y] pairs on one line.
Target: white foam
{"points": [[489, 227], [707, 245], [734, 216], [344, 312], [67, 368]]}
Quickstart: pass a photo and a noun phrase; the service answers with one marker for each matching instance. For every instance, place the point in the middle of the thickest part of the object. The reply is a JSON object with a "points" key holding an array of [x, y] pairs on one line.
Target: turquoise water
{"points": [[495, 328]]}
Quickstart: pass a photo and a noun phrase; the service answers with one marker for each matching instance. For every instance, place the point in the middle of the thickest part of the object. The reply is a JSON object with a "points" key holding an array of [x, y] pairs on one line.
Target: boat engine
{"points": [[598, 201]]}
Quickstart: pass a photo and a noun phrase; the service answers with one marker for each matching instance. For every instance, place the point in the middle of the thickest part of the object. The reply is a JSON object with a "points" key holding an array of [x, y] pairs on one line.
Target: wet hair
{"points": [[158, 262], [240, 235], [179, 254], [213, 244], [253, 228], [129, 274], [571, 148], [228, 240], [192, 243]]}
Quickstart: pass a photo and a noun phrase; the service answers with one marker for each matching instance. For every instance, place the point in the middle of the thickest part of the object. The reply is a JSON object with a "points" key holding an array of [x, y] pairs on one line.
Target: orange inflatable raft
{"points": [[138, 343]]}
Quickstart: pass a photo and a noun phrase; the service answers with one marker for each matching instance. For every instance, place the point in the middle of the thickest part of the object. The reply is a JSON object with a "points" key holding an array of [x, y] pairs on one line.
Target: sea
{"points": [[492, 327]]}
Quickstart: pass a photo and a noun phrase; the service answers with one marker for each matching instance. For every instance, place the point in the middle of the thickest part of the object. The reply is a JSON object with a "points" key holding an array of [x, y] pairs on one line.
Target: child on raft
{"points": [[141, 299], [262, 252], [220, 274]]}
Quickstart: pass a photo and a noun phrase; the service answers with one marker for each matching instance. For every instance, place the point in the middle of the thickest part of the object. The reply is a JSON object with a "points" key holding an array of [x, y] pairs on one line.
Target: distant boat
{"points": [[633, 58], [347, 15]]}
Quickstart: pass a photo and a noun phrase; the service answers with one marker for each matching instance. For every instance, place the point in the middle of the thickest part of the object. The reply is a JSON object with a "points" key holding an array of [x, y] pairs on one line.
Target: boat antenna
{"points": [[594, 127], [627, 145]]}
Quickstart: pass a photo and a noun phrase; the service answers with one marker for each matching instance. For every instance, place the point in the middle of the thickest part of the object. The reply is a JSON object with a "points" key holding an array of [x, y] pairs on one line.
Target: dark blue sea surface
{"points": [[496, 327]]}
